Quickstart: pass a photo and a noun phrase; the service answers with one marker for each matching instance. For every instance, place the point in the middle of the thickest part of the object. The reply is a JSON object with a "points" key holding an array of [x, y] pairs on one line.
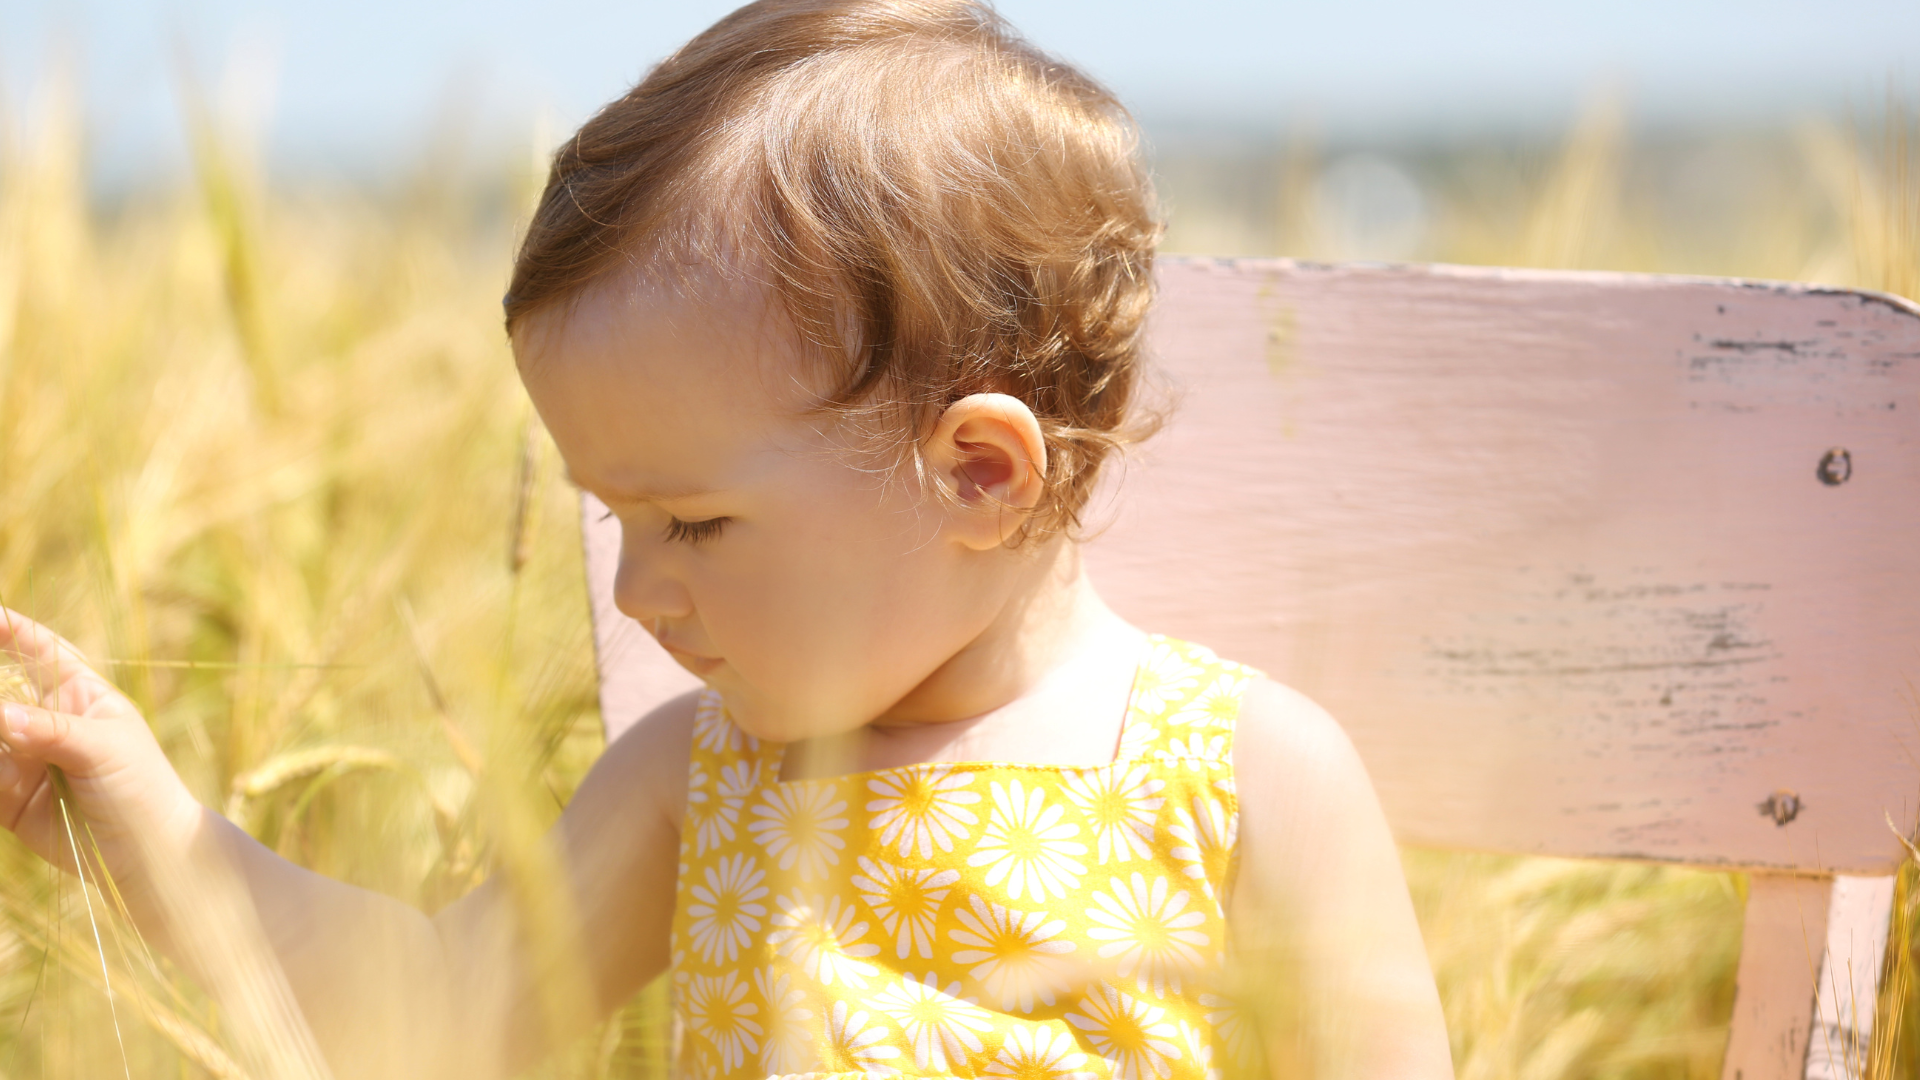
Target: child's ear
{"points": [[989, 451]]}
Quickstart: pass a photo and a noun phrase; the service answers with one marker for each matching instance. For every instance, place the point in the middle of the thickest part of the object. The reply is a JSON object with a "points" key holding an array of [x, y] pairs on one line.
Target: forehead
{"points": [[651, 385]]}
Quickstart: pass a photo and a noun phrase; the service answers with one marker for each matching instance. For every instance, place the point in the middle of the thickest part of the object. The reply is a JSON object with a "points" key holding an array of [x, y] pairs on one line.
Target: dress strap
{"points": [[715, 733], [1185, 703], [725, 767]]}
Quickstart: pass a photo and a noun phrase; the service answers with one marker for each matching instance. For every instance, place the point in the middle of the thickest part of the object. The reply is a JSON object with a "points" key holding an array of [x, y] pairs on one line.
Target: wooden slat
{"points": [[1554, 547], [1786, 927], [1859, 918]]}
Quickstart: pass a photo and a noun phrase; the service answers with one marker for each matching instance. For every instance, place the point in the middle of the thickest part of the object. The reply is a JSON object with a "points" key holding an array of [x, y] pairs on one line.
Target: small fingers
{"points": [[18, 776], [20, 780], [48, 656], [41, 667], [49, 737]]}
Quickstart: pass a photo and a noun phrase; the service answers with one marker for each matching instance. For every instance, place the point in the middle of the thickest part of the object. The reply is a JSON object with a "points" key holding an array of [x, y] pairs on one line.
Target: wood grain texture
{"points": [[1555, 548], [1786, 926]]}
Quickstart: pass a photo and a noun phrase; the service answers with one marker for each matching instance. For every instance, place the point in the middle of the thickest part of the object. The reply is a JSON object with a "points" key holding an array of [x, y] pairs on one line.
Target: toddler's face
{"points": [[769, 558]]}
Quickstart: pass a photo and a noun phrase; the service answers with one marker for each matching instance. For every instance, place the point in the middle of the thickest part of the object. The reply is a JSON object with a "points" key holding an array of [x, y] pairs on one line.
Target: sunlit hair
{"points": [[940, 208]]}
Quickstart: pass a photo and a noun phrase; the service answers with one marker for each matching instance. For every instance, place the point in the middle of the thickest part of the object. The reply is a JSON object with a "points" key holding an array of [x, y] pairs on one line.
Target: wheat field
{"points": [[264, 457]]}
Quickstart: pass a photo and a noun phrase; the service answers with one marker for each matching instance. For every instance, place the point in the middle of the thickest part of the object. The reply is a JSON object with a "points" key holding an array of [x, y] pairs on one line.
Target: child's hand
{"points": [[122, 783]]}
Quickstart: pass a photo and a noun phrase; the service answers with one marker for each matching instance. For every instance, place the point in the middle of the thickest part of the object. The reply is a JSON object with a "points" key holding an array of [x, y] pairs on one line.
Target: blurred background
{"points": [[1375, 128], [262, 452]]}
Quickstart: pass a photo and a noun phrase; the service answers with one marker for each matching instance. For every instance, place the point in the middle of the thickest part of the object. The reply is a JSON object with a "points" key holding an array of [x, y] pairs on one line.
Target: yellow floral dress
{"points": [[1005, 921]]}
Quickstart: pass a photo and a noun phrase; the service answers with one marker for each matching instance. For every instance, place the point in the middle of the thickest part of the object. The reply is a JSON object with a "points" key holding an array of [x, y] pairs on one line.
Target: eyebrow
{"points": [[664, 495]]}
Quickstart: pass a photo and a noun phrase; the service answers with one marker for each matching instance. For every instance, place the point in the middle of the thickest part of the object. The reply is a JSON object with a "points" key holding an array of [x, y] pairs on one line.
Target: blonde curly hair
{"points": [[940, 209]]}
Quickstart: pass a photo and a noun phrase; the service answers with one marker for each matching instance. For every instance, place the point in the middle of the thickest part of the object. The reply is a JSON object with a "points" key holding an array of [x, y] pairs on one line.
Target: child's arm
{"points": [[1324, 935], [619, 839], [386, 991]]}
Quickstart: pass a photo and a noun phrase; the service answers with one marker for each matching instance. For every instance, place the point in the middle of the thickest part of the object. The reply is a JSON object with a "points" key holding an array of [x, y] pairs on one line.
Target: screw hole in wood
{"points": [[1782, 806], [1836, 467]]}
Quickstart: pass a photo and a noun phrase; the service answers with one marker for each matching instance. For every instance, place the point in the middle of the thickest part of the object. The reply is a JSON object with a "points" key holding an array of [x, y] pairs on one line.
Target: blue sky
{"points": [[344, 81]]}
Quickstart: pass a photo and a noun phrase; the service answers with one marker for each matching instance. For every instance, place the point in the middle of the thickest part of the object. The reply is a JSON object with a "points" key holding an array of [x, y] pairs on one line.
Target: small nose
{"points": [[644, 586]]}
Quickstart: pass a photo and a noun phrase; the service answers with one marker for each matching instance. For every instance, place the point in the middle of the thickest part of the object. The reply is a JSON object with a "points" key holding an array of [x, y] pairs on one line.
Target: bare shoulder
{"points": [[1308, 812], [645, 769], [1286, 745], [1321, 893]]}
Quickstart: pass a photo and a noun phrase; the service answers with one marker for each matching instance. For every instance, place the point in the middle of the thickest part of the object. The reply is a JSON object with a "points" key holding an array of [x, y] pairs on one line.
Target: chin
{"points": [[771, 723], [754, 717]]}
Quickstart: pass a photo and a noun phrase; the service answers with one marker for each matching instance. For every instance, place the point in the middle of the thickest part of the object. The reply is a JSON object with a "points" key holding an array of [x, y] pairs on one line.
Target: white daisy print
{"points": [[1200, 1049], [718, 1011], [799, 825], [922, 809], [823, 940], [725, 910], [1037, 1052], [739, 779], [1151, 933], [1137, 737], [716, 734], [1119, 808], [1017, 955], [853, 1046], [1195, 748], [941, 1026], [1234, 1027], [701, 806], [943, 921], [713, 811], [1205, 840], [1164, 678], [1027, 846], [1134, 1037], [1215, 706], [905, 900], [788, 1045]]}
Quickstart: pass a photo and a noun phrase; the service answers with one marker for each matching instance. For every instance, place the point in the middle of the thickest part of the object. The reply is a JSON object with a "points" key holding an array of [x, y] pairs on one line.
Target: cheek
{"points": [[832, 615]]}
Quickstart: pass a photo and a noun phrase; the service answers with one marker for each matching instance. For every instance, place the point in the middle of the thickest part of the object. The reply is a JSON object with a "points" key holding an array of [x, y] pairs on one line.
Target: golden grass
{"points": [[260, 457], [263, 455]]}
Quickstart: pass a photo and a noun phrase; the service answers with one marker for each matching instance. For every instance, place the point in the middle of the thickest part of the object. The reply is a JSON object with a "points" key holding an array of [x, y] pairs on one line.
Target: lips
{"points": [[693, 662]]}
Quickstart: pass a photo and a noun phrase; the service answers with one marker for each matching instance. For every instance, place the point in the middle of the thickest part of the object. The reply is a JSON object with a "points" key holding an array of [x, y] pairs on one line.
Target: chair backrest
{"points": [[1588, 564]]}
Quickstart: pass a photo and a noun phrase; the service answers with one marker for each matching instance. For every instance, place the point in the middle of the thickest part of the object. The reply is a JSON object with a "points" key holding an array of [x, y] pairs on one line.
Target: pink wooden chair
{"points": [[1591, 565]]}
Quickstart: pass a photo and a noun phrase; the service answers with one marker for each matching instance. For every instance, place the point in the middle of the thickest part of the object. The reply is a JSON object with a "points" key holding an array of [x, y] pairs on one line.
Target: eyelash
{"points": [[695, 532], [689, 532]]}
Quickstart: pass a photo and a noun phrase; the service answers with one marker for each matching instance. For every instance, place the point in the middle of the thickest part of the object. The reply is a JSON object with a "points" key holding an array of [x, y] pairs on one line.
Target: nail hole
{"points": [[1836, 467], [1782, 806]]}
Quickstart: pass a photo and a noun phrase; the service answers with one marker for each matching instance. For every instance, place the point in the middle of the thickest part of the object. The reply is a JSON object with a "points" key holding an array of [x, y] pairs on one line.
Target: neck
{"points": [[1053, 616]]}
